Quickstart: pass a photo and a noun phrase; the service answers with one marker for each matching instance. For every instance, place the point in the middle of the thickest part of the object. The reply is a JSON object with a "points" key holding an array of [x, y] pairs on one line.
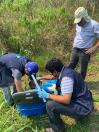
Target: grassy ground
{"points": [[10, 121]]}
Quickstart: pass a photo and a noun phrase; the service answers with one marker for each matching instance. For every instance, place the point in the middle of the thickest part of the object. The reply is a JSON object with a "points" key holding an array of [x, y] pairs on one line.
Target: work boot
{"points": [[49, 130]]}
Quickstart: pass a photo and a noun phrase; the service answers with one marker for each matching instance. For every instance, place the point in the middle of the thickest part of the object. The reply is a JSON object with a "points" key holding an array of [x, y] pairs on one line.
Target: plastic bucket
{"points": [[47, 84], [32, 109]]}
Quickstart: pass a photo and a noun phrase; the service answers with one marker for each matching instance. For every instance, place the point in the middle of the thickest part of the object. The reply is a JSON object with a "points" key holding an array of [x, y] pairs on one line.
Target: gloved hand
{"points": [[43, 94], [52, 88], [49, 88]]}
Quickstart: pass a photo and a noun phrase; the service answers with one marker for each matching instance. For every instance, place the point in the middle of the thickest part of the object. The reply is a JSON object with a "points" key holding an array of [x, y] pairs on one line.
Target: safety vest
{"points": [[8, 61], [12, 60], [81, 100]]}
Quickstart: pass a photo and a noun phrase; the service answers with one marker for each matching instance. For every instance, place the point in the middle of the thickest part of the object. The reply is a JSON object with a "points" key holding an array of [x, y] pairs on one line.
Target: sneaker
{"points": [[49, 130]]}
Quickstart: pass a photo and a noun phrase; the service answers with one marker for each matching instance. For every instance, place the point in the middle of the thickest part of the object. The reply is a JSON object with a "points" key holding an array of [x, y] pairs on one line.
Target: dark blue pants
{"points": [[8, 95], [6, 80], [54, 110], [79, 55]]}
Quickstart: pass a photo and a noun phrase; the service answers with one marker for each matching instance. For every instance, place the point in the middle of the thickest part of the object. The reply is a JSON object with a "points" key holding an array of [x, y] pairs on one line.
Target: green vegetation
{"points": [[42, 29], [11, 121], [29, 28]]}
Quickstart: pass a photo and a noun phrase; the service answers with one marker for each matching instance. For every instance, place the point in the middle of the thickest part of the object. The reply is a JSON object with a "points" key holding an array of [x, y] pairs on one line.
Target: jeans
{"points": [[54, 110], [7, 94], [79, 55]]}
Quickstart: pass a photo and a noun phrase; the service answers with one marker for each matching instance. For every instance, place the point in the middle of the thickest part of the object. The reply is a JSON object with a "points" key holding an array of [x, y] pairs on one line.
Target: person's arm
{"points": [[47, 77], [96, 33], [92, 49], [66, 92], [18, 84], [64, 99], [17, 79]]}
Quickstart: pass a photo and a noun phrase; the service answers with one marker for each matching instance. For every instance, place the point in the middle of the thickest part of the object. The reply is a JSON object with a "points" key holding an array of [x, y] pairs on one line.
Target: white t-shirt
{"points": [[66, 85]]}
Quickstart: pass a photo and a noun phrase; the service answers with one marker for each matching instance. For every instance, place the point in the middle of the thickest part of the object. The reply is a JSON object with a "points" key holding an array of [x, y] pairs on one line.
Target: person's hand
{"points": [[52, 88], [43, 94], [49, 89], [91, 50]]}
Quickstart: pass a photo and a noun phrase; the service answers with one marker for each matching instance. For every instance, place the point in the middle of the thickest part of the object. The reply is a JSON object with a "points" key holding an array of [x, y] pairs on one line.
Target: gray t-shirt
{"points": [[16, 73]]}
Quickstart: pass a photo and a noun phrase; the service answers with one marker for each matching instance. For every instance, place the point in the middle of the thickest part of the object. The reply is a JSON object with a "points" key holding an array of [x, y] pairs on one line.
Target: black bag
{"points": [[26, 97]]}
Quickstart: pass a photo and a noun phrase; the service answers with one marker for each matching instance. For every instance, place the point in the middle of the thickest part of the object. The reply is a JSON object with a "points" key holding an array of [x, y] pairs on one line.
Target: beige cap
{"points": [[80, 13]]}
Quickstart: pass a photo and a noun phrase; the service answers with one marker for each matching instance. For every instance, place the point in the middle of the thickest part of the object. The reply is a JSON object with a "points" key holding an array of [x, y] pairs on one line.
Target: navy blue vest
{"points": [[8, 61], [81, 97], [12, 60]]}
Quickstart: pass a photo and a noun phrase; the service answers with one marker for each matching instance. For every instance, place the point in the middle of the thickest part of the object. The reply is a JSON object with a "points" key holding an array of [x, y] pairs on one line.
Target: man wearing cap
{"points": [[12, 68], [85, 41]]}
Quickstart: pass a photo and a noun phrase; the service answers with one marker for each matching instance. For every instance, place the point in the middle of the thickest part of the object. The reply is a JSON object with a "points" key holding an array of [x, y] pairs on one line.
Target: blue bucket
{"points": [[32, 109], [47, 84]]}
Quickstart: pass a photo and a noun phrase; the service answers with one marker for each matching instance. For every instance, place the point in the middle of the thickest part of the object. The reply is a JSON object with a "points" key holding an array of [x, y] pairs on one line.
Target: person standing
{"points": [[72, 99], [86, 40], [12, 68]]}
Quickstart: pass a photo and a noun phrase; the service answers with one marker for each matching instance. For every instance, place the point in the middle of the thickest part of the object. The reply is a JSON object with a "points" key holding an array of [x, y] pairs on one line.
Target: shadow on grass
{"points": [[87, 124], [91, 122], [93, 85]]}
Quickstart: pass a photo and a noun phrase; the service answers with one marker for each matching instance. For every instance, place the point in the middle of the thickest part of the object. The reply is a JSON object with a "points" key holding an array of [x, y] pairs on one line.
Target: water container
{"points": [[32, 109], [48, 84]]}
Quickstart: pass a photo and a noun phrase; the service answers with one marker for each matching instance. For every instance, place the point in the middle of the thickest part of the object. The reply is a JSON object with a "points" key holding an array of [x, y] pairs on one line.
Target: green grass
{"points": [[11, 121]]}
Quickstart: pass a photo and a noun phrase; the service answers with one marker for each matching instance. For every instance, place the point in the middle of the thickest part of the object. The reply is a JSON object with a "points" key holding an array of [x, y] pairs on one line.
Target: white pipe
{"points": [[37, 85]]}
